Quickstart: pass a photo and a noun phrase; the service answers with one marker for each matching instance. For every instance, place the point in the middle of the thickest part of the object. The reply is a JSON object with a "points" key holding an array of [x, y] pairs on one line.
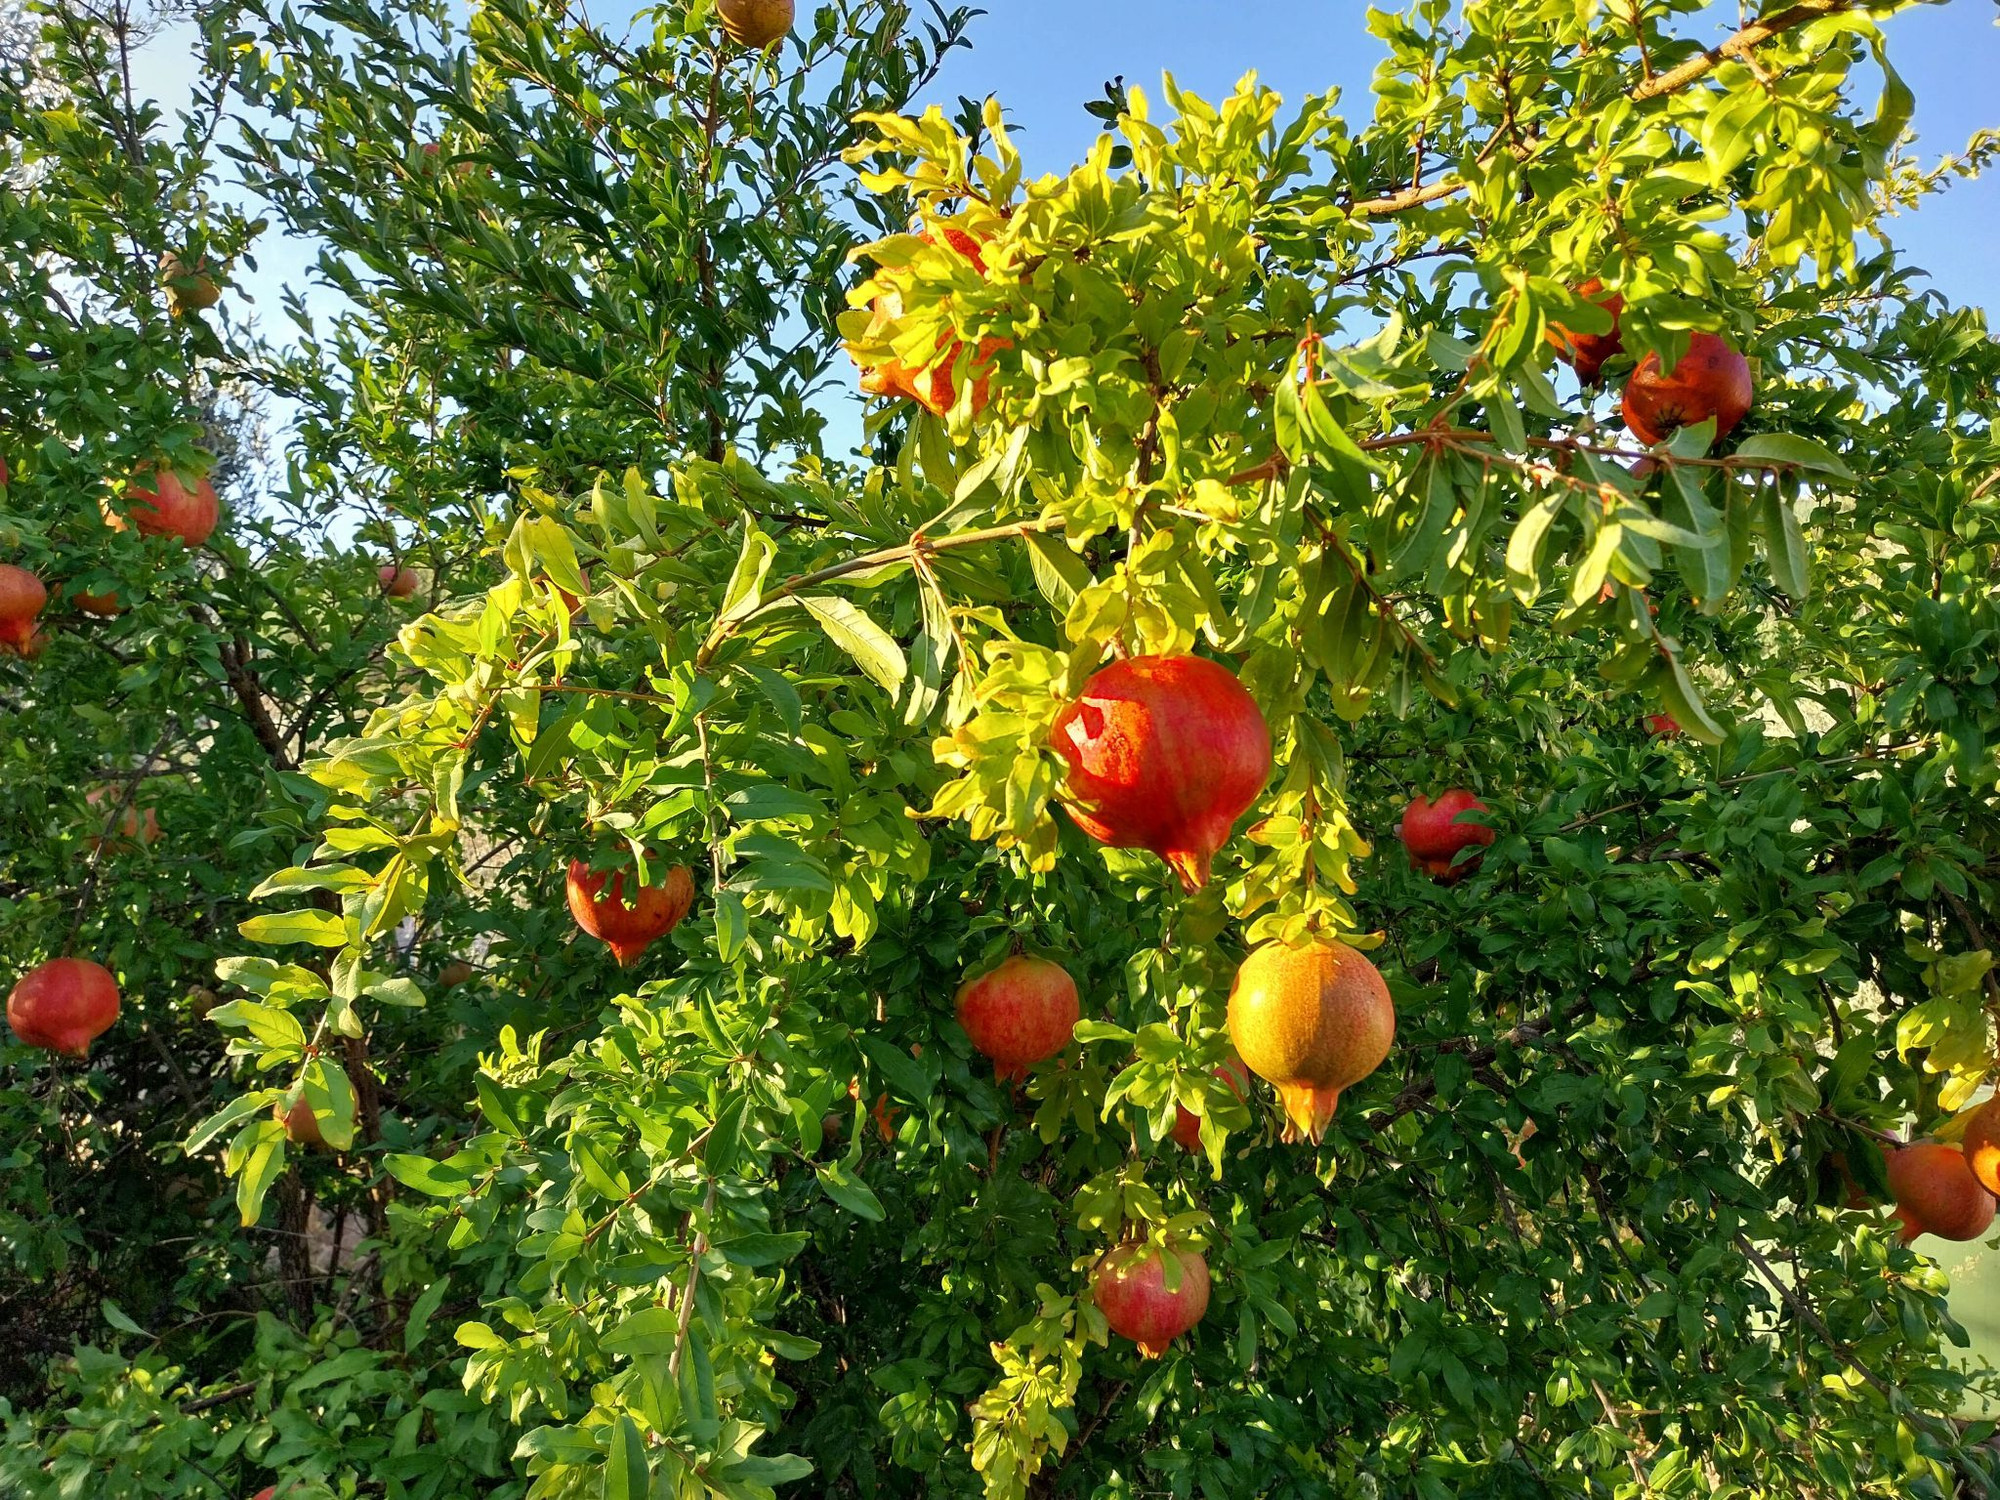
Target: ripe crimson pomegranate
{"points": [[301, 1124], [653, 912], [1936, 1193], [64, 1005], [1663, 726], [6, 474], [1712, 380], [104, 606], [1982, 1144], [1587, 352], [755, 23], [1311, 1020], [1129, 1286], [1164, 753], [22, 596], [267, 1493], [397, 582], [1434, 833], [1187, 1124], [1019, 1013], [160, 502]]}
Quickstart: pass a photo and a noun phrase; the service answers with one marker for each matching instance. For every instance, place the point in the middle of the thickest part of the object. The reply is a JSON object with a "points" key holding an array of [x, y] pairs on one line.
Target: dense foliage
{"points": [[1261, 382]]}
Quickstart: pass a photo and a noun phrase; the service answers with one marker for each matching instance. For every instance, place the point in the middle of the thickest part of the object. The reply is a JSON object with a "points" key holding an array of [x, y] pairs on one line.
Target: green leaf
{"points": [[872, 647], [320, 928], [1789, 448], [650, 1330], [425, 1175], [762, 1249], [261, 1149], [627, 1474], [850, 1192]]}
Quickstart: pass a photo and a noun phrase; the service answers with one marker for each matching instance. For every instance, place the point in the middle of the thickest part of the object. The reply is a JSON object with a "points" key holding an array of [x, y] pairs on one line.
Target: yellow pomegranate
{"points": [[1312, 1020]]}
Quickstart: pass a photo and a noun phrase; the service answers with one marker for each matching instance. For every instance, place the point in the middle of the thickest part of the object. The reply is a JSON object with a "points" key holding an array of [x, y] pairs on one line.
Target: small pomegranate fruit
{"points": [[1586, 352], [1663, 726], [1019, 1013], [1982, 1144], [1187, 1124], [301, 1124], [655, 910], [163, 503], [1936, 1193], [64, 1005], [397, 582], [135, 823], [1311, 1020], [933, 385], [22, 596], [267, 1493], [1434, 833], [1129, 1286], [104, 606], [1164, 753], [755, 23], [190, 286], [453, 974], [1712, 380], [883, 1113]]}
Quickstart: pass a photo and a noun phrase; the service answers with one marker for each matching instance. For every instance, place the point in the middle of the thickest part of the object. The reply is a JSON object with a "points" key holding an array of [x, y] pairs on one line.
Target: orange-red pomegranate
{"points": [[1435, 832], [64, 1005], [1936, 1193], [1312, 1021], [104, 606], [1712, 380], [134, 823], [1164, 753], [1586, 352], [160, 502], [301, 1124], [1019, 1013], [1187, 1124], [932, 384], [397, 583], [22, 596], [1663, 726], [654, 911], [1129, 1286], [1982, 1144]]}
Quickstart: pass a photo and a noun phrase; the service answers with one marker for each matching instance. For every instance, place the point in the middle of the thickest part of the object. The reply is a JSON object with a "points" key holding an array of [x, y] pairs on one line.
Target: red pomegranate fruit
{"points": [[22, 596], [104, 606], [1663, 726], [1164, 753], [1586, 352], [1712, 380], [933, 384], [135, 823], [1187, 1124], [160, 502], [1435, 832], [1936, 1193], [64, 1005], [628, 928], [301, 1124], [1312, 1020], [397, 582], [1129, 1286], [1019, 1013]]}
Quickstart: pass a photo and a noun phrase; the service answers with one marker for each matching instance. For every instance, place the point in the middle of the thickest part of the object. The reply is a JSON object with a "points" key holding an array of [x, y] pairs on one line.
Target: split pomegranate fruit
{"points": [[1129, 1286], [22, 597], [628, 927], [159, 502], [1187, 1124], [1711, 380], [1936, 1193], [1019, 1013], [1586, 352], [1312, 1021], [1435, 832], [1164, 753], [64, 1005]]}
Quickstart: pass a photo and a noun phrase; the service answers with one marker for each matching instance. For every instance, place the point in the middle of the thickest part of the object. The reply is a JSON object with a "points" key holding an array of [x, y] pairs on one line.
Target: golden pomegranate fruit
{"points": [[301, 1124], [1311, 1020], [755, 23]]}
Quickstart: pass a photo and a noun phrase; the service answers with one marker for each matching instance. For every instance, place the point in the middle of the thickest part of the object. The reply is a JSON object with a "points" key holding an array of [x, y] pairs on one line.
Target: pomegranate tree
{"points": [[22, 596], [1019, 1013], [64, 1005], [1434, 833], [598, 902], [1164, 753], [1130, 1285], [1311, 1020], [1711, 380]]}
